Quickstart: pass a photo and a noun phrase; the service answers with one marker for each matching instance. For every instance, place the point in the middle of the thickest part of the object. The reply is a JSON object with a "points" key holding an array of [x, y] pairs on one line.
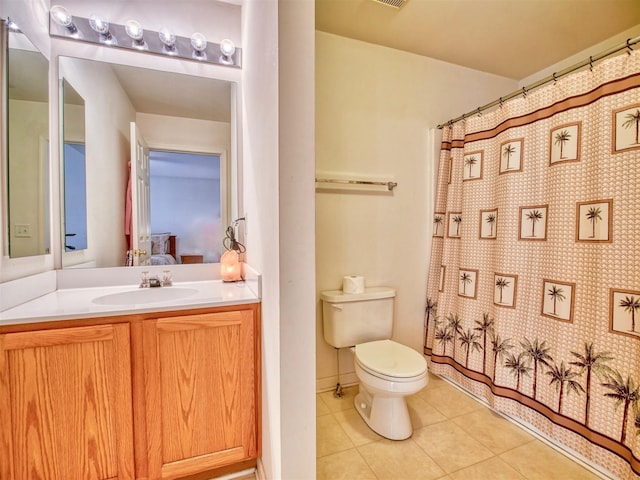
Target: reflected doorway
{"points": [[186, 202], [75, 197]]}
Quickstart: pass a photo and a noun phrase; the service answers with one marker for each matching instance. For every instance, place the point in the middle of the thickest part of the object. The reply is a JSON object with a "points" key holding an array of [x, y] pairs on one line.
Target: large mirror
{"points": [[28, 148], [157, 149]]}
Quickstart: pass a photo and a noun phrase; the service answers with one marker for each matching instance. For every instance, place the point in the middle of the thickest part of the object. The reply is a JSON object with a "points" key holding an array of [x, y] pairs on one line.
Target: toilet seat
{"points": [[390, 360]]}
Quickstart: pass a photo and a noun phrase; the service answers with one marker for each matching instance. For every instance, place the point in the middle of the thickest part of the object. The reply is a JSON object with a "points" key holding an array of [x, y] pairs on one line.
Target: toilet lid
{"points": [[390, 358]]}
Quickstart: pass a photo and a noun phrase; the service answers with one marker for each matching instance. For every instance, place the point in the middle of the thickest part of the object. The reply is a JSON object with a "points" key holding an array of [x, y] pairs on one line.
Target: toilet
{"points": [[388, 371]]}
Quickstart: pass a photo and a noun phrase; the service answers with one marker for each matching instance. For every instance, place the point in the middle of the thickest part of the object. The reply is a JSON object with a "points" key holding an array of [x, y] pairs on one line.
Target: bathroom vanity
{"points": [[92, 387]]}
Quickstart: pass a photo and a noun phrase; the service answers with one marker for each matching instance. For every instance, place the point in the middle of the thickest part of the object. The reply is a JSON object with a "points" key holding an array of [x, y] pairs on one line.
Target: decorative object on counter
{"points": [[132, 36], [230, 266]]}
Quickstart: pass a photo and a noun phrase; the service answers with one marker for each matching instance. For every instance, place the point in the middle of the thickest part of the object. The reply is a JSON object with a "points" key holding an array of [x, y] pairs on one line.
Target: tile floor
{"points": [[455, 437]]}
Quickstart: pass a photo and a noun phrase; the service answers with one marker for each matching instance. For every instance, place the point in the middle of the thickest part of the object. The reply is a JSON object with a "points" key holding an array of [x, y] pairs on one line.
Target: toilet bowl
{"points": [[388, 372]]}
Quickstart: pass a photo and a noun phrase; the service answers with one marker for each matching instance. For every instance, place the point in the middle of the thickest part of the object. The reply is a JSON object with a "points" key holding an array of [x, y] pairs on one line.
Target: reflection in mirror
{"points": [[186, 123], [28, 152], [74, 170]]}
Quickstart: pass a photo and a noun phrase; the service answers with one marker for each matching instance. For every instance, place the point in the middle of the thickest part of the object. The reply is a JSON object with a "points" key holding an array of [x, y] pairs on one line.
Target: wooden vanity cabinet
{"points": [[145, 396], [201, 377], [65, 404]]}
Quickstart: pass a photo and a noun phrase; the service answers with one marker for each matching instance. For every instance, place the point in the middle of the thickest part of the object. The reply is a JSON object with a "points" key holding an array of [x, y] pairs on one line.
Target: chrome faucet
{"points": [[144, 280], [147, 281]]}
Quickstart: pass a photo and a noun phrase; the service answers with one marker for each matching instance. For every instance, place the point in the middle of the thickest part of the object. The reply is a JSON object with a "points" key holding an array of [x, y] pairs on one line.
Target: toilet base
{"points": [[387, 416]]}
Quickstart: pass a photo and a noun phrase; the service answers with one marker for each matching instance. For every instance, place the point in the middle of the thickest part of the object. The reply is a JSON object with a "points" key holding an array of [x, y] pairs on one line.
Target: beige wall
{"points": [[278, 200], [260, 204], [375, 107]]}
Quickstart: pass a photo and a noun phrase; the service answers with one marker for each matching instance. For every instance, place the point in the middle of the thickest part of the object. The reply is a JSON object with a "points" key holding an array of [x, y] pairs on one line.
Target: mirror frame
{"points": [[4, 139]]}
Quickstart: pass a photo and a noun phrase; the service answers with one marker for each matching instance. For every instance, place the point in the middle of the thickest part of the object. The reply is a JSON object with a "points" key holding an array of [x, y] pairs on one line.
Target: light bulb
{"points": [[134, 30], [168, 39], [227, 47], [198, 42], [12, 26], [99, 24], [62, 17]]}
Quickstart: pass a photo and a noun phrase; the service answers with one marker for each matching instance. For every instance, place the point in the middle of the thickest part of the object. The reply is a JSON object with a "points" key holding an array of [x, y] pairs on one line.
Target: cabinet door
{"points": [[65, 404], [200, 392]]}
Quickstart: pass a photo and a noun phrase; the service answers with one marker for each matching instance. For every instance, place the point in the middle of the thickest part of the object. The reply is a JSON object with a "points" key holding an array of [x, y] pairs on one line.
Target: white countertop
{"points": [[75, 303]]}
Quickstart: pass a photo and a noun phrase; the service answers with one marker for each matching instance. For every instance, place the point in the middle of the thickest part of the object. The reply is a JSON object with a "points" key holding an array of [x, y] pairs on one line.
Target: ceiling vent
{"points": [[392, 3]]}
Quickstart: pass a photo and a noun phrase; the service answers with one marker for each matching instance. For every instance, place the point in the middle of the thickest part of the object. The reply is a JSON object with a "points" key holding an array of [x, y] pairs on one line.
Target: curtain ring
{"points": [[479, 112], [524, 92], [555, 78], [591, 63], [450, 124], [629, 46], [501, 102]]}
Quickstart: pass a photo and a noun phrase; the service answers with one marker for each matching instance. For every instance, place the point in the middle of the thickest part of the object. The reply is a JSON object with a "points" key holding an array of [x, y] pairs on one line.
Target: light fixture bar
{"points": [[182, 48]]}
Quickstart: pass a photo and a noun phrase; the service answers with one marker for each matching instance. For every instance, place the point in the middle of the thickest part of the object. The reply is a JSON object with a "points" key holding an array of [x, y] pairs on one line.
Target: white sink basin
{"points": [[145, 295]]}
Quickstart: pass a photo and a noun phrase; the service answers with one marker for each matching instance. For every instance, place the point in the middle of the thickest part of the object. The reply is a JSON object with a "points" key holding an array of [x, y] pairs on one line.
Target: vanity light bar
{"points": [[116, 36]]}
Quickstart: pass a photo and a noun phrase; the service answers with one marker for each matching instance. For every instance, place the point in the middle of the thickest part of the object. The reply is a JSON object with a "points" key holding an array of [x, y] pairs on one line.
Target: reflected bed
{"points": [[163, 249]]}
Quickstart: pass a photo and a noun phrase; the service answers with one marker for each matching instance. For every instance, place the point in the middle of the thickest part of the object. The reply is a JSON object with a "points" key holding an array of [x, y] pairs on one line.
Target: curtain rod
{"points": [[553, 77]]}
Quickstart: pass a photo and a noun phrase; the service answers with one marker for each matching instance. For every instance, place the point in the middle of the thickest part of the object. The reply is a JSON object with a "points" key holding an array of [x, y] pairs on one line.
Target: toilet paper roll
{"points": [[353, 284]]}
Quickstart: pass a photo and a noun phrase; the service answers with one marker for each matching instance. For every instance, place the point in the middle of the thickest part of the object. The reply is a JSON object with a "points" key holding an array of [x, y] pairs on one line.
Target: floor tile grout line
{"points": [[493, 455], [483, 406], [562, 450], [367, 463]]}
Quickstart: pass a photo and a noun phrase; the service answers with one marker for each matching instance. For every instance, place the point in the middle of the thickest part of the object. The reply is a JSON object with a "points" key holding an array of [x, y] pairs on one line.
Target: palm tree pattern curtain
{"points": [[533, 300]]}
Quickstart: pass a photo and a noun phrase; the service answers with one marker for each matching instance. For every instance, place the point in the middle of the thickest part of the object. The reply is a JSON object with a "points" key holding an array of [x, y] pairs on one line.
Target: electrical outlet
{"points": [[22, 231]]}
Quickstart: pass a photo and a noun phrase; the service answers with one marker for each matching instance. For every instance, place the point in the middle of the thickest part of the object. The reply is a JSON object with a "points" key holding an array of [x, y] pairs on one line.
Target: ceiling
{"points": [[510, 38], [177, 95]]}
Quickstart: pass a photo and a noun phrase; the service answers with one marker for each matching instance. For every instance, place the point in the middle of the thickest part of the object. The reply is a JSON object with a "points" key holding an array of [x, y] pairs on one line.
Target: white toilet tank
{"points": [[353, 318]]}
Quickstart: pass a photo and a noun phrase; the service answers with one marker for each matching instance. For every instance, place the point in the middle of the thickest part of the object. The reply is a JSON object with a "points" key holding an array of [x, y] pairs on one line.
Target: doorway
{"points": [[186, 202]]}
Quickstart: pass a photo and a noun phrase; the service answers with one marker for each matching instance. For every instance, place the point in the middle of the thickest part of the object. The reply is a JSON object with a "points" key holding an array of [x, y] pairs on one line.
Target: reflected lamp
{"points": [[230, 266]]}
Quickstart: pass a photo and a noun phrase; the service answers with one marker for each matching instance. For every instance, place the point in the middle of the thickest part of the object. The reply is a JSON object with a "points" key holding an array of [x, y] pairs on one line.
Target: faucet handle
{"points": [[167, 279], [144, 279]]}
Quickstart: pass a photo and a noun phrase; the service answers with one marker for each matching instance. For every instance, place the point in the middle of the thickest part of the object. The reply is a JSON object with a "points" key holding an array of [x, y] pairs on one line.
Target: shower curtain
{"points": [[533, 301]]}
